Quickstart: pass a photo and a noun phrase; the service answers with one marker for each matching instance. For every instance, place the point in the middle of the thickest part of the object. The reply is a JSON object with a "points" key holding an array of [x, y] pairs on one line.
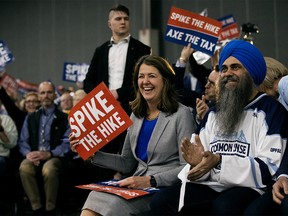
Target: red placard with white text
{"points": [[112, 187], [96, 120], [229, 28]]}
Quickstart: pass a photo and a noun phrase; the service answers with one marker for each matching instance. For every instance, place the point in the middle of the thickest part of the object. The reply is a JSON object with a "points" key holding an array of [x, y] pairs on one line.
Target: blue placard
{"points": [[199, 41], [5, 55], [74, 72], [227, 20], [185, 27]]}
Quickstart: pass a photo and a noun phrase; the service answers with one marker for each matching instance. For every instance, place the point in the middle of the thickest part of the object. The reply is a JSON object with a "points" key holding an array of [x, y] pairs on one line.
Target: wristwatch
{"points": [[153, 182]]}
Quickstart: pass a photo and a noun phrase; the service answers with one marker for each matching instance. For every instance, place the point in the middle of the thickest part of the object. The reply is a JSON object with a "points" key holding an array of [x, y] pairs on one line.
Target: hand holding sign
{"points": [[96, 120]]}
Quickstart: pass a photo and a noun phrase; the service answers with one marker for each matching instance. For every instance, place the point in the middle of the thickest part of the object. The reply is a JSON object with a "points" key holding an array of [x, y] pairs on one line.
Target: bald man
{"points": [[238, 146], [43, 141]]}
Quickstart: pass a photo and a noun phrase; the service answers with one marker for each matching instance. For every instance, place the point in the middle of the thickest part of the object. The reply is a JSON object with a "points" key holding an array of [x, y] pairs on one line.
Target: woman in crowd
{"points": [[275, 71], [152, 143]]}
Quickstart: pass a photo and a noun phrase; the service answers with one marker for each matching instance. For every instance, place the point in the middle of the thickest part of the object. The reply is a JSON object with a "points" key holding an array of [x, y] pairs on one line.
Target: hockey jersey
{"points": [[253, 153]]}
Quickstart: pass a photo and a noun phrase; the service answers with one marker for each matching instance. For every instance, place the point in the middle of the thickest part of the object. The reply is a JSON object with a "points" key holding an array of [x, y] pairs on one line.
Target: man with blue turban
{"points": [[249, 56], [236, 149]]}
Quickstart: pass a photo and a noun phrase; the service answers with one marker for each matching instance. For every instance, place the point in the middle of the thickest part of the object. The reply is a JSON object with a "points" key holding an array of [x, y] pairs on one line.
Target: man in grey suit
{"points": [[113, 63]]}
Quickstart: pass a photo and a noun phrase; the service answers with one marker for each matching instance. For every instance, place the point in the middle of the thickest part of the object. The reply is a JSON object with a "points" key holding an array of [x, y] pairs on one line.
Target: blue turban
{"points": [[249, 56]]}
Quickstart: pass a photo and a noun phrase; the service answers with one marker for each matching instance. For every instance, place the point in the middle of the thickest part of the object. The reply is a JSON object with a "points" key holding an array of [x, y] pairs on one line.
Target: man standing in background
{"points": [[113, 63]]}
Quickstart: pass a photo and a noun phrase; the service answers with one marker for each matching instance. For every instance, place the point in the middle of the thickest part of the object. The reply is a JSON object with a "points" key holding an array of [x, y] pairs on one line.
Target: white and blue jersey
{"points": [[252, 155]]}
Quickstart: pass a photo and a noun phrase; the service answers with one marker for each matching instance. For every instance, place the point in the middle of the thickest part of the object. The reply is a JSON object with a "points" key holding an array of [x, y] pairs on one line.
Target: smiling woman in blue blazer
{"points": [[152, 143]]}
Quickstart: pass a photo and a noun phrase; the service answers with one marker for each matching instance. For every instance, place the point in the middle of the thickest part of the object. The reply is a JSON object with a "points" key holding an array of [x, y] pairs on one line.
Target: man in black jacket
{"points": [[113, 63]]}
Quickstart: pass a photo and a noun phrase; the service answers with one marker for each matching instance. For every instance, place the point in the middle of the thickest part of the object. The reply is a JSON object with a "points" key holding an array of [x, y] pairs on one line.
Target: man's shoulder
{"points": [[61, 114], [104, 45], [57, 113], [264, 99], [136, 42], [267, 104], [34, 114]]}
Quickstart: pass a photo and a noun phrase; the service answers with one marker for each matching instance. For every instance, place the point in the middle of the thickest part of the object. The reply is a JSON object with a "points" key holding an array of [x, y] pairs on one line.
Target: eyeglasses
{"points": [[209, 82], [31, 101], [216, 68]]}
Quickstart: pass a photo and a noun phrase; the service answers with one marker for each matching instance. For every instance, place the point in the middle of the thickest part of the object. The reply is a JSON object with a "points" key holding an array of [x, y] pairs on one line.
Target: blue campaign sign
{"points": [[74, 72], [82, 72], [5, 54], [227, 20], [229, 28], [185, 27], [199, 41]]}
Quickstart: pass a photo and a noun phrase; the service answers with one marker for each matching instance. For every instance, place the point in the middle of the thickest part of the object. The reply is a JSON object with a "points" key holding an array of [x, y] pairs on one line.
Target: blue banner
{"points": [[5, 55], [199, 41], [74, 72], [227, 20]]}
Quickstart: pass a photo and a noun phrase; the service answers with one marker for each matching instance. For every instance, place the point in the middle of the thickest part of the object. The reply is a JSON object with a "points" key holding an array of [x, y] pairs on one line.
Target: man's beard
{"points": [[231, 101]]}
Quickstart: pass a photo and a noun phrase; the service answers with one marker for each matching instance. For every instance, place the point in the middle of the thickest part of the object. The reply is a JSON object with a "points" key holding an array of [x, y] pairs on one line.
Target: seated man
{"points": [[239, 143], [43, 141]]}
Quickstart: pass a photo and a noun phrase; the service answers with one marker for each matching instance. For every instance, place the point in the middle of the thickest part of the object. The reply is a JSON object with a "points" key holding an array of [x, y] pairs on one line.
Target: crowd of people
{"points": [[216, 146]]}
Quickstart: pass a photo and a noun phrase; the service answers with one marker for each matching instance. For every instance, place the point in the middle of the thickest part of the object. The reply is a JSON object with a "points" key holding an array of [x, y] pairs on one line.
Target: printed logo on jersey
{"points": [[235, 145], [275, 150]]}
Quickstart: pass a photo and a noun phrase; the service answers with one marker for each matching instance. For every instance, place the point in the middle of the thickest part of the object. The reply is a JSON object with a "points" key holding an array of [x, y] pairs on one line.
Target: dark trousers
{"points": [[264, 205], [202, 200]]}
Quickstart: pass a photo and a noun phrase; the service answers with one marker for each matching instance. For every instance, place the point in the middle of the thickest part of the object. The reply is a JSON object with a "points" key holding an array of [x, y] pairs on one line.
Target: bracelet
{"points": [[183, 59]]}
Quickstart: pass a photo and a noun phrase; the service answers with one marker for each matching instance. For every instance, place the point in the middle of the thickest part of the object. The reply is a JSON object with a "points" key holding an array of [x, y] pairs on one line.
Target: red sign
{"points": [[111, 187], [229, 32], [10, 84], [229, 29], [96, 120], [189, 20]]}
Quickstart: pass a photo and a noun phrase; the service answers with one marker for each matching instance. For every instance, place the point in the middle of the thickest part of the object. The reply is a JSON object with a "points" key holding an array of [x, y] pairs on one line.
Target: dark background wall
{"points": [[43, 34]]}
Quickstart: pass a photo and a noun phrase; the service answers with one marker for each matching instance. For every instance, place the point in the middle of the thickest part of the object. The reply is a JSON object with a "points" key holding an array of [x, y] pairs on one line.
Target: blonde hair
{"points": [[275, 71], [30, 94], [78, 95]]}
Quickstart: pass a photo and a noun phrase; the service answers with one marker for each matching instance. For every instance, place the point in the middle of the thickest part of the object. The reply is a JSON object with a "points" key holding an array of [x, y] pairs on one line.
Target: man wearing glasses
{"points": [[209, 98]]}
